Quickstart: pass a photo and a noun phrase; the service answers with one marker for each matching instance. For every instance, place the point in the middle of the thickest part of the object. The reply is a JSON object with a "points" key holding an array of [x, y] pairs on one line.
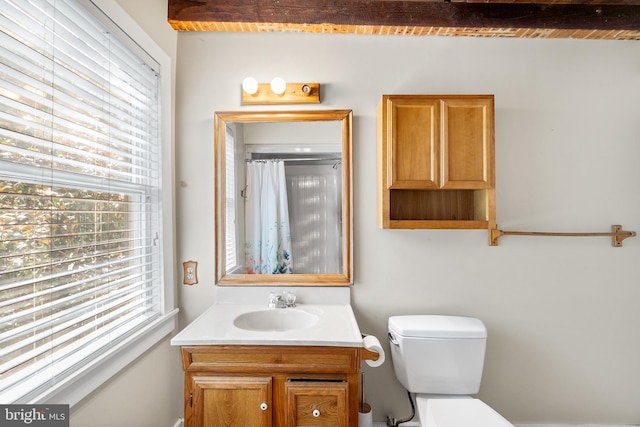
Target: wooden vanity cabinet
{"points": [[436, 161], [280, 386]]}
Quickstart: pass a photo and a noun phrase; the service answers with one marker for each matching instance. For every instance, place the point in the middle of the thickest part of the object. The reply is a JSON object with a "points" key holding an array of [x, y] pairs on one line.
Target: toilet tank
{"points": [[438, 354]]}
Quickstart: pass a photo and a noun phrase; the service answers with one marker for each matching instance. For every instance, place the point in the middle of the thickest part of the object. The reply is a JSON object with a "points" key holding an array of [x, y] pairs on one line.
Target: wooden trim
{"points": [[386, 30], [251, 358], [438, 224]]}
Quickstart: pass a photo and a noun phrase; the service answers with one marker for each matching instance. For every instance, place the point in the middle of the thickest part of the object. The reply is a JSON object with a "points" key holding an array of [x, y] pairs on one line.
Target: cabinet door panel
{"points": [[414, 144], [317, 404], [467, 140], [232, 401]]}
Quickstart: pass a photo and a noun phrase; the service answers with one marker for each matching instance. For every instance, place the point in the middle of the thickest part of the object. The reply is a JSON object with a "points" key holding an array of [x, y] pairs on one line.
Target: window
{"points": [[84, 238]]}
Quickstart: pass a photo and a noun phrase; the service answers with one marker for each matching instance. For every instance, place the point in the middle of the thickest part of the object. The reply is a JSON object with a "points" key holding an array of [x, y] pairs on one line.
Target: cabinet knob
{"points": [[316, 413], [264, 406]]}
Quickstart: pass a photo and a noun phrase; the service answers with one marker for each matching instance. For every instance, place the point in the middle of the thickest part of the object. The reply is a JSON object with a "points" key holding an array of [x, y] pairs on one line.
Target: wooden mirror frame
{"points": [[339, 279]]}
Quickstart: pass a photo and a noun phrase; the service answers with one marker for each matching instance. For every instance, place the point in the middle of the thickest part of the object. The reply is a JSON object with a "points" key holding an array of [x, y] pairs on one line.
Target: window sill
{"points": [[93, 375]]}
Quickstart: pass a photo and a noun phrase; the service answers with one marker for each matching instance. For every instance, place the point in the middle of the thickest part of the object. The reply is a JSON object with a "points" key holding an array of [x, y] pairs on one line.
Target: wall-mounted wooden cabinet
{"points": [[436, 166]]}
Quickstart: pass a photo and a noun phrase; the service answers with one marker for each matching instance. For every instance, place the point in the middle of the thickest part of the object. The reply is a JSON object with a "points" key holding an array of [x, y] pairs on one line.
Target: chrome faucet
{"points": [[277, 300]]}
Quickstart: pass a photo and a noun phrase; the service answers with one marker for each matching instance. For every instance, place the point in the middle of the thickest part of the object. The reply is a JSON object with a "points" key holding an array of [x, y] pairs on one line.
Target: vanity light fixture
{"points": [[279, 92]]}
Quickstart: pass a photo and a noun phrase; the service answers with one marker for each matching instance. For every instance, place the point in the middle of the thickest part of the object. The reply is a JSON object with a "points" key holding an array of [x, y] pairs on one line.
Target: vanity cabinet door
{"points": [[317, 403], [222, 401]]}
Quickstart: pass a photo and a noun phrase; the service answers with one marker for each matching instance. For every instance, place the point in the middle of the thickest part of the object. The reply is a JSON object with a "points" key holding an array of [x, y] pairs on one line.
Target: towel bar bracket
{"points": [[617, 235]]}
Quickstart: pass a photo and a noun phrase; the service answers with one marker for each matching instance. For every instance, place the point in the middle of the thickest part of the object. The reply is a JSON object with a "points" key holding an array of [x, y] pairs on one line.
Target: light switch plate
{"points": [[190, 272]]}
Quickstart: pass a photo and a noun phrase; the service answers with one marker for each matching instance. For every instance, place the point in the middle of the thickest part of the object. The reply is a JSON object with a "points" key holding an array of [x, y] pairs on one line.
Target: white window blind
{"points": [[80, 208]]}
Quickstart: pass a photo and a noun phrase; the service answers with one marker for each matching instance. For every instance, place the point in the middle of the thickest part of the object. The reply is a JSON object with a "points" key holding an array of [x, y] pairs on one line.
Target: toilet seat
{"points": [[458, 412]]}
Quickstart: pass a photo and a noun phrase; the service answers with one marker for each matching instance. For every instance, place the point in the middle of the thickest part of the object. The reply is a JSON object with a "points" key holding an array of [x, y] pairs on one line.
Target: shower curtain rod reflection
{"points": [[297, 159]]}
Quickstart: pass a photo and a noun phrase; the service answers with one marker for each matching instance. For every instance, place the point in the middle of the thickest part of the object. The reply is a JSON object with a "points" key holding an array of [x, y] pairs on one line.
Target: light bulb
{"points": [[278, 85], [250, 85]]}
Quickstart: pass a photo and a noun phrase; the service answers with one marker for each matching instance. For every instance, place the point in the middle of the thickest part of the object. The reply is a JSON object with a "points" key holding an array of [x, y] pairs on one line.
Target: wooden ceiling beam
{"points": [[594, 15], [601, 2]]}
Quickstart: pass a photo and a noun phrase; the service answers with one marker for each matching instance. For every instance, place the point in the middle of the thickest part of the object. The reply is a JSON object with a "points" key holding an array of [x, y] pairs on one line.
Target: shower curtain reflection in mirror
{"points": [[315, 206], [293, 217], [268, 234]]}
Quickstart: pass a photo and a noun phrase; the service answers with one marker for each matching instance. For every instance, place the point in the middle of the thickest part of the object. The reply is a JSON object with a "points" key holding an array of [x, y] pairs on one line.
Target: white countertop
{"points": [[336, 326]]}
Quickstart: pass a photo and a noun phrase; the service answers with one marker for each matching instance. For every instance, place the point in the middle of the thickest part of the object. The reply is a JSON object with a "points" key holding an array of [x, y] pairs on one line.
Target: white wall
{"points": [[149, 392], [562, 313]]}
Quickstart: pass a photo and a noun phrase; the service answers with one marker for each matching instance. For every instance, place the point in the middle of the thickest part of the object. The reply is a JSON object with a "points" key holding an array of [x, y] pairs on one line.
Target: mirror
{"points": [[283, 198]]}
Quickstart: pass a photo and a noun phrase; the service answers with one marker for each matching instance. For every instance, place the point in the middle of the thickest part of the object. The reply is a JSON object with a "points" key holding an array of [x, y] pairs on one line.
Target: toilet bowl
{"points": [[440, 359], [435, 412]]}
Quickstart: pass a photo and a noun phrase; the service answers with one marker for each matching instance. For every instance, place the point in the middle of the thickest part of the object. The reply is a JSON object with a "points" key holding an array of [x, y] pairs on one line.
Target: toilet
{"points": [[440, 360]]}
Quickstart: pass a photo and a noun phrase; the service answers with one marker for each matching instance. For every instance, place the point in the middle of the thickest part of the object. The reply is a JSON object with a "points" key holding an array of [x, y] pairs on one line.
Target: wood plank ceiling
{"points": [[585, 19]]}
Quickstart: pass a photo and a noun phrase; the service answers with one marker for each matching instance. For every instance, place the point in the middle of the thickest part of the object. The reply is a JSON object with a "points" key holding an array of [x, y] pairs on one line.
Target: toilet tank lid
{"points": [[435, 326]]}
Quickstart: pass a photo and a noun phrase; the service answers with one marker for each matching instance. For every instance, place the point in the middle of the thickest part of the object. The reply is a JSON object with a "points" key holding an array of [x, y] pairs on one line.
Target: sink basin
{"points": [[275, 320]]}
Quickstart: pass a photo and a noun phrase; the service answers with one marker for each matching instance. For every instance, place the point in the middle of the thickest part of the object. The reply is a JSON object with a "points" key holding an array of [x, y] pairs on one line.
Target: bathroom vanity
{"points": [[247, 364], [250, 365]]}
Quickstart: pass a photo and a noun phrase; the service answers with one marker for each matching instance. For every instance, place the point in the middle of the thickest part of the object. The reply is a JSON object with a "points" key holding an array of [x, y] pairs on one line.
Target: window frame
{"points": [[71, 389]]}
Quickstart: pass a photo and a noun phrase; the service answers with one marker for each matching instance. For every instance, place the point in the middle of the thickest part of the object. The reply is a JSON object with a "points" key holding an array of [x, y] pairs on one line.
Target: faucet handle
{"points": [[273, 299], [290, 299]]}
